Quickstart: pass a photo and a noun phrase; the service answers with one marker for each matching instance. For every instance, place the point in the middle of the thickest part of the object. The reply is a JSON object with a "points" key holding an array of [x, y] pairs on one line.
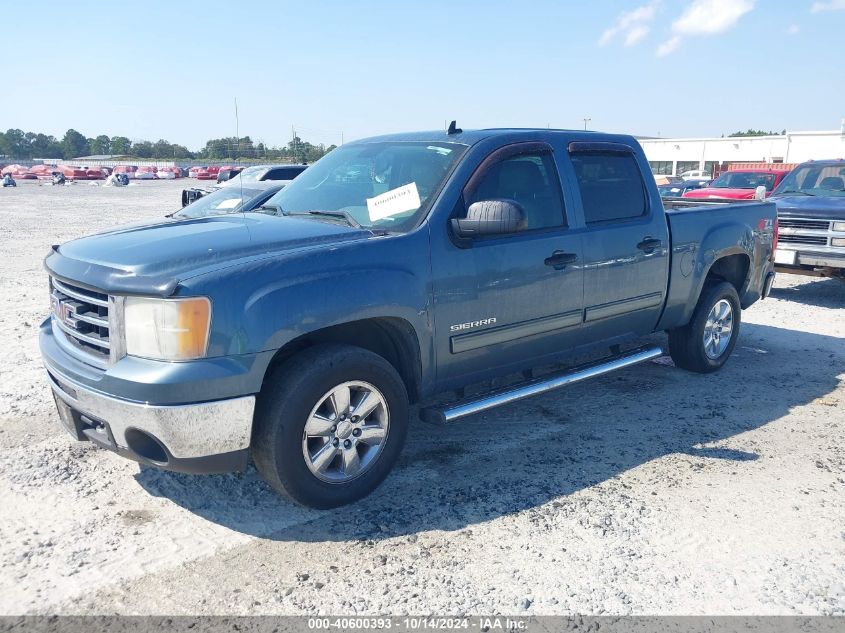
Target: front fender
{"points": [[262, 305], [283, 311]]}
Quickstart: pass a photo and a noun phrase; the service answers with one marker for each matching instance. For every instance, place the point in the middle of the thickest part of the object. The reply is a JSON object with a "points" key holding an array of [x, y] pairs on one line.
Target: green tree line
{"points": [[17, 144], [753, 132]]}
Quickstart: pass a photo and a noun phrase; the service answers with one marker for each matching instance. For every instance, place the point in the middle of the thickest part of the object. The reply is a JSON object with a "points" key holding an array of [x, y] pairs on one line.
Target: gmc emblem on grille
{"points": [[64, 312]]}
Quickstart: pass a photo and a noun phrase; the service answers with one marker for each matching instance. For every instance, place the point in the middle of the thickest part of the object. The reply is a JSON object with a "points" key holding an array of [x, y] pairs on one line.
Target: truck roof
{"points": [[825, 162], [470, 137]]}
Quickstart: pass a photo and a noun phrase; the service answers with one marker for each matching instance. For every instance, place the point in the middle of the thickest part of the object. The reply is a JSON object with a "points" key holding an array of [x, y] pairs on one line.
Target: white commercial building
{"points": [[677, 155]]}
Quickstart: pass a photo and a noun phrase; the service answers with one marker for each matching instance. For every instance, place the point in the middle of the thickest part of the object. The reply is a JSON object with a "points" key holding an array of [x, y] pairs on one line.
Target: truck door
{"points": [[626, 244], [502, 300]]}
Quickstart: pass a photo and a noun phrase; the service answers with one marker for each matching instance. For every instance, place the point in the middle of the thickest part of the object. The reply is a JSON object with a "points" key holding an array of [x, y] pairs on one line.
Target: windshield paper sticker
{"points": [[229, 203], [394, 202]]}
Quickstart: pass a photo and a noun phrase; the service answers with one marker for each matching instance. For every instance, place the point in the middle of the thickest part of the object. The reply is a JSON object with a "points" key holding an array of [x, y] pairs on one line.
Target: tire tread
{"points": [[685, 344], [284, 386]]}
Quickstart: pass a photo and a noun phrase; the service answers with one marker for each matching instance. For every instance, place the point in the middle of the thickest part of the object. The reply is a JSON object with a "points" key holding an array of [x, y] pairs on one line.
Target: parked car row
{"points": [[73, 172], [223, 173], [217, 173], [244, 178], [149, 172], [47, 172]]}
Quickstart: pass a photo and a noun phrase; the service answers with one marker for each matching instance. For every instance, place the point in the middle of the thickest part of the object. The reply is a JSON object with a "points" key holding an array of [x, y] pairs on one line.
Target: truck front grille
{"points": [[812, 225], [83, 317], [814, 240]]}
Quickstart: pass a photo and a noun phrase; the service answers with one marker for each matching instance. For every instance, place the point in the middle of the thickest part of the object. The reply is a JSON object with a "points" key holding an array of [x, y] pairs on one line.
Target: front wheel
{"points": [[706, 342], [330, 424]]}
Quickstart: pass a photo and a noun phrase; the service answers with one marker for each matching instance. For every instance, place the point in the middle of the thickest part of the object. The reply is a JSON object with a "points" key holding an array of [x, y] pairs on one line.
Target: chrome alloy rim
{"points": [[346, 431], [718, 329]]}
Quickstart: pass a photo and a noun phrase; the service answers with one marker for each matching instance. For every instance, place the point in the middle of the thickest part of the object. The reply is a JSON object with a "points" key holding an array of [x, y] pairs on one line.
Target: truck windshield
{"points": [[670, 191], [225, 200], [386, 185], [814, 180], [744, 180]]}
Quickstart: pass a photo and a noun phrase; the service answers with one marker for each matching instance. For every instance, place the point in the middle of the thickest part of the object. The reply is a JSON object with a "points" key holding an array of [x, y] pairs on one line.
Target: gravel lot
{"points": [[648, 491]]}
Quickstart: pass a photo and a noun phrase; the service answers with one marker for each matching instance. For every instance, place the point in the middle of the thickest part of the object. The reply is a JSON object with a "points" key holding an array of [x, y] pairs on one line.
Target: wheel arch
{"points": [[733, 268], [731, 264], [392, 338]]}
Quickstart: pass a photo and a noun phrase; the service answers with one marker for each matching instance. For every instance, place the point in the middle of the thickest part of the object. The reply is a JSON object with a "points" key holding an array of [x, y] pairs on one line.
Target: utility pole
{"points": [[237, 129], [586, 120]]}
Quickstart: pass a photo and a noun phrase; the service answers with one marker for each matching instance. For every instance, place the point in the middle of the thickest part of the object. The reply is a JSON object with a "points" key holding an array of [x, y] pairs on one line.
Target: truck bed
{"points": [[699, 231]]}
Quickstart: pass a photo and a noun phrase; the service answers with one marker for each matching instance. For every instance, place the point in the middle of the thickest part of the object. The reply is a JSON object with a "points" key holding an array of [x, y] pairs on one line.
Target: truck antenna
{"points": [[453, 128], [238, 141]]}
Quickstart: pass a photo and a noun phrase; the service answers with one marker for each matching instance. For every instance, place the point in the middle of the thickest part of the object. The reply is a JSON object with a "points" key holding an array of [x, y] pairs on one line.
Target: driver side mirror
{"points": [[491, 217]]}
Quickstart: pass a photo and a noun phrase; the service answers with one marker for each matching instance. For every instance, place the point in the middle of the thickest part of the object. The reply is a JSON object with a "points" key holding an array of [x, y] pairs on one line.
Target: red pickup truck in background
{"points": [[740, 184]]}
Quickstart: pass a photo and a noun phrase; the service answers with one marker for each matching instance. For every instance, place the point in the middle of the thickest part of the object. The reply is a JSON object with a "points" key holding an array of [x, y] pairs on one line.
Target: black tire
{"points": [[290, 393], [686, 344]]}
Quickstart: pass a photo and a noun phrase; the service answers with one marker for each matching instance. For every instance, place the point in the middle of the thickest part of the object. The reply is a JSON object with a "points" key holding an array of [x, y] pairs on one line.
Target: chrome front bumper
{"points": [[205, 437], [806, 255]]}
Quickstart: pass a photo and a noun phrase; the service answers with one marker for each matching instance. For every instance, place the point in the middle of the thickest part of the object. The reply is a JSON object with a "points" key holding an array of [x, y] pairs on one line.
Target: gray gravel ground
{"points": [[648, 491]]}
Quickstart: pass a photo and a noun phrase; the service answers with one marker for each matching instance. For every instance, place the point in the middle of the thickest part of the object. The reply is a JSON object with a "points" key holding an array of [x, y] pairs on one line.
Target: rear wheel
{"points": [[330, 424], [706, 342]]}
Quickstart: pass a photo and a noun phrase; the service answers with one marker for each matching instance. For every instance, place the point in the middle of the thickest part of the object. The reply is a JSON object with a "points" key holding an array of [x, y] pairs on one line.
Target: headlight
{"points": [[167, 329], [839, 226]]}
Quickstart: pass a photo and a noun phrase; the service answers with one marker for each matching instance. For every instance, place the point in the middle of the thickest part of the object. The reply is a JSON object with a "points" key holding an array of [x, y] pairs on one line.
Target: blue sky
{"points": [[151, 69]]}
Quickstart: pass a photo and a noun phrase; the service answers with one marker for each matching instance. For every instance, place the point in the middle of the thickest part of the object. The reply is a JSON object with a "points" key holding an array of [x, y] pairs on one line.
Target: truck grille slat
{"points": [[92, 339], [82, 315], [814, 240], [807, 231], [813, 225], [89, 296]]}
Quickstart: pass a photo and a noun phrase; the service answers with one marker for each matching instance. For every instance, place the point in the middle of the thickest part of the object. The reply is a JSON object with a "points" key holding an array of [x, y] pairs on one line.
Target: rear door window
{"points": [[611, 186]]}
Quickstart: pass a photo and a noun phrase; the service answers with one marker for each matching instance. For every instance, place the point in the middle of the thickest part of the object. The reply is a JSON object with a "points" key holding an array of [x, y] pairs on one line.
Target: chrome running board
{"points": [[436, 415]]}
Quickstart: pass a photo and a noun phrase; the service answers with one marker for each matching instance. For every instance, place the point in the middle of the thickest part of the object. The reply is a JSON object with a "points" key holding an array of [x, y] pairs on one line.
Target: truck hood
{"points": [[152, 258], [832, 208], [713, 192]]}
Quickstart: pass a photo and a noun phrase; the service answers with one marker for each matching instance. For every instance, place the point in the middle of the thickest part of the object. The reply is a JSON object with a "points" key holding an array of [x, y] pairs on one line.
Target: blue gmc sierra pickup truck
{"points": [[394, 269]]}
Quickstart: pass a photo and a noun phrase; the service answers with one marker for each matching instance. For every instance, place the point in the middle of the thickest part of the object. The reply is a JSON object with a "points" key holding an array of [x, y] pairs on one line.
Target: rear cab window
{"points": [[611, 186]]}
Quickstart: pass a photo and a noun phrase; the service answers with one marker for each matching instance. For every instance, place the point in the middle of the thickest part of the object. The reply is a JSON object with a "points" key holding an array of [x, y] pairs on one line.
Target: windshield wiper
{"points": [[803, 193], [344, 215]]}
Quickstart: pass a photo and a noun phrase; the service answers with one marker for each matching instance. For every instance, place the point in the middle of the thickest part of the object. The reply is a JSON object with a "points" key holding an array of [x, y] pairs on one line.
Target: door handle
{"points": [[649, 244], [559, 260]]}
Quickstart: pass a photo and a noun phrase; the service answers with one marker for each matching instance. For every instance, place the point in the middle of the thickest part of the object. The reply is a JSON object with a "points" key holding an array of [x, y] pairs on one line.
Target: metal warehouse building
{"points": [[677, 155]]}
